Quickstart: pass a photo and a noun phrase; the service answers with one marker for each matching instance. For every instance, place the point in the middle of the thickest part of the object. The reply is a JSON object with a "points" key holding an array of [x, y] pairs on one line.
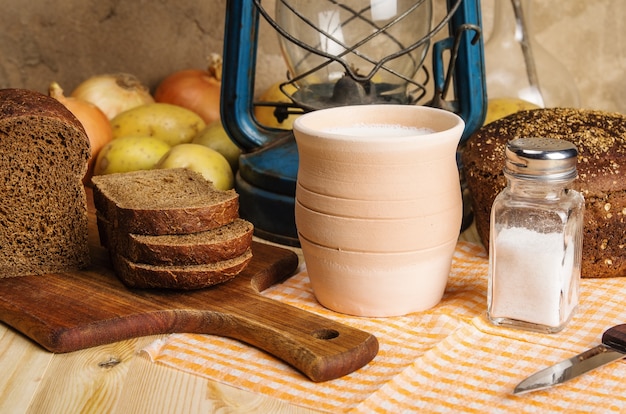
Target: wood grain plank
{"points": [[153, 388], [23, 365], [87, 381], [113, 378]]}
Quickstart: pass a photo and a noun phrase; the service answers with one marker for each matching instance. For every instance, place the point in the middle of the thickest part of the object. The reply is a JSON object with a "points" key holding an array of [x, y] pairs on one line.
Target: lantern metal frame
{"points": [[266, 178]]}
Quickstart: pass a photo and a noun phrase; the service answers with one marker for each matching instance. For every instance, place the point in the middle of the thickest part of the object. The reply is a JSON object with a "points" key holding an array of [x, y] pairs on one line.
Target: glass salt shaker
{"points": [[536, 237]]}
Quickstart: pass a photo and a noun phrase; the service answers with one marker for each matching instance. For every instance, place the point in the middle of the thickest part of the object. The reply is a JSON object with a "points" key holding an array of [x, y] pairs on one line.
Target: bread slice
{"points": [[44, 152], [163, 201], [139, 275], [222, 243]]}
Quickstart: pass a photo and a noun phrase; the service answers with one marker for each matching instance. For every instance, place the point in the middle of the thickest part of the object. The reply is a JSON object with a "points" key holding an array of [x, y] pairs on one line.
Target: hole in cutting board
{"points": [[325, 334]]}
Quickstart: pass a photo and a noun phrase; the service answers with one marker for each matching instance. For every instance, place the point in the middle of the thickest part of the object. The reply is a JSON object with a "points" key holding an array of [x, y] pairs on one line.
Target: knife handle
{"points": [[615, 338]]}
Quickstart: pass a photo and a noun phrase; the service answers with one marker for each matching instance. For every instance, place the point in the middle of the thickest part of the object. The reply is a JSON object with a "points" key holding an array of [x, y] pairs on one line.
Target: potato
{"points": [[169, 123], [130, 153], [208, 162], [265, 114], [500, 107], [215, 137]]}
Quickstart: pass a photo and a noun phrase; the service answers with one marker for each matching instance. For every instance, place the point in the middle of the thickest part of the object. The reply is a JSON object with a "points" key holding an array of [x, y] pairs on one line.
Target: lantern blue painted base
{"points": [[266, 183]]}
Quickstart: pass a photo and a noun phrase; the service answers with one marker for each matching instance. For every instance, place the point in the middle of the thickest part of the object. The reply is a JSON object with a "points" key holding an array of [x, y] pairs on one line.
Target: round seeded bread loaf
{"points": [[601, 141]]}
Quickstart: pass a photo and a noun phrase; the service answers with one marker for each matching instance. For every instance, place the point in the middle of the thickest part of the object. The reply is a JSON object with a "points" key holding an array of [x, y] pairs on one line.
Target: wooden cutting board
{"points": [[72, 311]]}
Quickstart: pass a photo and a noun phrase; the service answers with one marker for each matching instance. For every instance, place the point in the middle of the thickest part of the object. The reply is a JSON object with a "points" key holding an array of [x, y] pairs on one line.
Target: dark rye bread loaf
{"points": [[601, 141], [167, 201], [44, 152], [223, 243], [140, 275]]}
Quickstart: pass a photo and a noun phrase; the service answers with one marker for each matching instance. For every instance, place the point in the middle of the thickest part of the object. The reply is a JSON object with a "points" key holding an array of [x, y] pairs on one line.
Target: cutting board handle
{"points": [[318, 347]]}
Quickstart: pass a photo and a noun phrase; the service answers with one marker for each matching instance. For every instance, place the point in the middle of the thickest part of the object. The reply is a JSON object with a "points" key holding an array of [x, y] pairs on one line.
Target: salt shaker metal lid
{"points": [[546, 159]]}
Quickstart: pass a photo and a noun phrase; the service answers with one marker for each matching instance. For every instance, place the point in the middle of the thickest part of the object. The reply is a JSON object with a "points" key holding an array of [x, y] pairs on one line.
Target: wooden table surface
{"points": [[115, 378]]}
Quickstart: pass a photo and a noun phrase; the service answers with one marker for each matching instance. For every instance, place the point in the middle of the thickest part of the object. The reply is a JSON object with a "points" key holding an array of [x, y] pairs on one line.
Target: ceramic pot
{"points": [[392, 157]]}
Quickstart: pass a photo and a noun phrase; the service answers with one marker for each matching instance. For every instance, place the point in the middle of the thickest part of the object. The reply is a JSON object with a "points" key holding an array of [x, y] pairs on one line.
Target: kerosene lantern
{"points": [[340, 52]]}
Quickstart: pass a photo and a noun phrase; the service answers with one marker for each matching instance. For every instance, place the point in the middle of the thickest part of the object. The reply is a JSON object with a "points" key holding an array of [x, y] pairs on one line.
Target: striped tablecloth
{"points": [[448, 359]]}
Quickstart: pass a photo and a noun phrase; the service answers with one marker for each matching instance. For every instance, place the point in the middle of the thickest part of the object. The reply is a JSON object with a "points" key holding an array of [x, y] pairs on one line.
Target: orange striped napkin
{"points": [[448, 359]]}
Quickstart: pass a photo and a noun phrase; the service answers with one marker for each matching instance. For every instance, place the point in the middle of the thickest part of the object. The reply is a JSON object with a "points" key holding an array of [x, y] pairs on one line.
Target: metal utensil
{"points": [[531, 67], [613, 347]]}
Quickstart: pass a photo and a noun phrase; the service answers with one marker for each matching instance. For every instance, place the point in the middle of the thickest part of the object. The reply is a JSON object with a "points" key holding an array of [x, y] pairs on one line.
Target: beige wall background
{"points": [[43, 41]]}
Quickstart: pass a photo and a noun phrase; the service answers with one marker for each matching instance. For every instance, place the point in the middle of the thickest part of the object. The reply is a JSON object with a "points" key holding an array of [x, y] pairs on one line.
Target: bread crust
{"points": [[216, 208], [600, 138], [15, 103], [173, 221], [223, 243], [138, 275]]}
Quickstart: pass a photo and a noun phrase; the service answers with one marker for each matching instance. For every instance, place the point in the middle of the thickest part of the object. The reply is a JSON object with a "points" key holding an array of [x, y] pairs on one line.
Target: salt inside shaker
{"points": [[536, 237]]}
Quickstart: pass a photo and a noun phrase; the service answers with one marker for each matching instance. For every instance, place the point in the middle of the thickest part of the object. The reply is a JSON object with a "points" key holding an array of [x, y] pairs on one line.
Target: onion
{"points": [[95, 122], [113, 93], [194, 89]]}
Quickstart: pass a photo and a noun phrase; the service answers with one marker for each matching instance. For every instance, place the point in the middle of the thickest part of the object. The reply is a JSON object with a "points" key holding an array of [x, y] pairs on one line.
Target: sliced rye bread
{"points": [[140, 275], [222, 243], [44, 152], [163, 201]]}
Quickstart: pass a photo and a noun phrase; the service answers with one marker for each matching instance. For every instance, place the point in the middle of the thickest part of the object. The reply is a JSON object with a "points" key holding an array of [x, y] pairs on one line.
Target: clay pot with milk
{"points": [[378, 205]]}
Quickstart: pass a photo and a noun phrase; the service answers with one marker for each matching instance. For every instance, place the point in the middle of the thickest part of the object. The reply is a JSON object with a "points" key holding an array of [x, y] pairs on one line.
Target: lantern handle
{"points": [[466, 51], [239, 54]]}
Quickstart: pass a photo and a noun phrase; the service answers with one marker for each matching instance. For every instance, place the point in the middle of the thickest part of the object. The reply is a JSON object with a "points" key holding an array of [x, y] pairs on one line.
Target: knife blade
{"points": [[613, 347]]}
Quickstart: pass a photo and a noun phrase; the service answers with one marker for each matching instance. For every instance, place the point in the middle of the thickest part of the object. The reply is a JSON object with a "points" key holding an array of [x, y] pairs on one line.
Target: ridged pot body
{"points": [[378, 203]]}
